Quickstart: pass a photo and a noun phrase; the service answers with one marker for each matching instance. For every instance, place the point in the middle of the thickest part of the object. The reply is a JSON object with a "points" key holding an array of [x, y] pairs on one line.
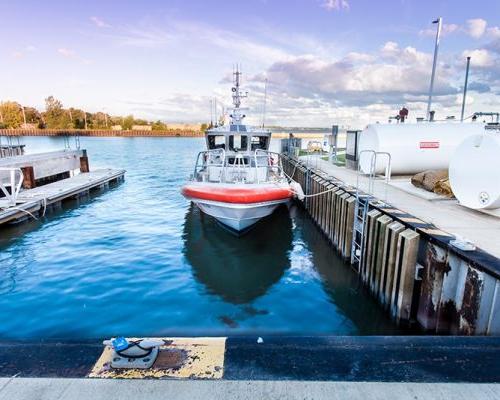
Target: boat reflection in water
{"points": [[238, 271]]}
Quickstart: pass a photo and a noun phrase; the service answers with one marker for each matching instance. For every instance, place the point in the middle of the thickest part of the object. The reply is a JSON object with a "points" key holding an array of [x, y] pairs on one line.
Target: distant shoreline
{"points": [[111, 133], [100, 133]]}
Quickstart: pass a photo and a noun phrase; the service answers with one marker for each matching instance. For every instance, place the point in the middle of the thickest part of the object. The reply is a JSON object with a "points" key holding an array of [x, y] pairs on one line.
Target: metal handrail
{"points": [[239, 167], [208, 153], [15, 188]]}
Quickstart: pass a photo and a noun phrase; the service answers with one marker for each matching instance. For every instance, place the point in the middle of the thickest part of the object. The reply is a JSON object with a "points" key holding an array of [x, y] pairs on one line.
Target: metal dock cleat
{"points": [[140, 353]]}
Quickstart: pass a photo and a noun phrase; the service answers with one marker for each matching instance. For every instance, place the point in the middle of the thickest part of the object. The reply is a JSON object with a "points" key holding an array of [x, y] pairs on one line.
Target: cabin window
{"points": [[237, 142], [260, 142], [216, 142]]}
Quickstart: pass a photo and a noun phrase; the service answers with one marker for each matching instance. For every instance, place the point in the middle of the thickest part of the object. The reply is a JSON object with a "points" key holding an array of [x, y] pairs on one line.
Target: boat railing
{"points": [[269, 164], [209, 165], [217, 166]]}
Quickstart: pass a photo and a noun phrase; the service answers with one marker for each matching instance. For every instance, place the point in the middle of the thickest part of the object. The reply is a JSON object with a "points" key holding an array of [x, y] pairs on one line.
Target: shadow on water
{"points": [[239, 270], [343, 287]]}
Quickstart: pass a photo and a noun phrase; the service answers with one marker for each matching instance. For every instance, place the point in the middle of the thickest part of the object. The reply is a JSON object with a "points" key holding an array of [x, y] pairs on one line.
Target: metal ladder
{"points": [[362, 204]]}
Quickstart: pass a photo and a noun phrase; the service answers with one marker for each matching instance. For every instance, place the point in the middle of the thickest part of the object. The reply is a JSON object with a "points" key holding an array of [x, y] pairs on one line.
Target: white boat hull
{"points": [[238, 216]]}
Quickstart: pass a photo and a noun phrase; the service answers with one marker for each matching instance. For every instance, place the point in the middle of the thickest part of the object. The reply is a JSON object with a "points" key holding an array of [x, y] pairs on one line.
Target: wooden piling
{"points": [[380, 229], [349, 224], [29, 181], [368, 245], [389, 261], [406, 262]]}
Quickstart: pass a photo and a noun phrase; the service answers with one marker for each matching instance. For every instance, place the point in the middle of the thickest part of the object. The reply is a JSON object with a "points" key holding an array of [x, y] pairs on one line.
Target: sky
{"points": [[346, 62]]}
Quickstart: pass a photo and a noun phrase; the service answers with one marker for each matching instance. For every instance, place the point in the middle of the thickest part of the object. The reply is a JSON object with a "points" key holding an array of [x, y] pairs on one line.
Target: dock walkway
{"points": [[38, 199], [83, 389], [480, 228]]}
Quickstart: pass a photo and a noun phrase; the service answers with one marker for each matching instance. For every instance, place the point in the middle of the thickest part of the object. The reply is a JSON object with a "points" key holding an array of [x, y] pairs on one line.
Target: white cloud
{"points": [[331, 5], [393, 74], [72, 54], [476, 27], [66, 52], [355, 57], [99, 22], [480, 57], [186, 35], [493, 32], [446, 29]]}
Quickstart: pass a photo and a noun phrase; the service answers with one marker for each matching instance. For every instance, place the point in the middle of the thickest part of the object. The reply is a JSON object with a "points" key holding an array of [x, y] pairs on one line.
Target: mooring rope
{"points": [[306, 195]]}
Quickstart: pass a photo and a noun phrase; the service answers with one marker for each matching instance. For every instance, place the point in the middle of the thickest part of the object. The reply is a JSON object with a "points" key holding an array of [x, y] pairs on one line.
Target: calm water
{"points": [[140, 260]]}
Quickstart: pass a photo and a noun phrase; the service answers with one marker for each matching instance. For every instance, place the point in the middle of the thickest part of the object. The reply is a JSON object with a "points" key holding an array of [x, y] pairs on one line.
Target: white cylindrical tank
{"points": [[475, 171], [413, 147]]}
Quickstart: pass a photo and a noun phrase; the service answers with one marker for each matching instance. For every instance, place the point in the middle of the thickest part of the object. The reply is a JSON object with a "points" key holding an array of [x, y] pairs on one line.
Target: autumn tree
{"points": [[128, 122], [33, 116], [11, 115], [56, 117], [159, 126]]}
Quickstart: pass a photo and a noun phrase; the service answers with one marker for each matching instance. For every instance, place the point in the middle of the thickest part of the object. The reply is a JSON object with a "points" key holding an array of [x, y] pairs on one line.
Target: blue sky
{"points": [[326, 61]]}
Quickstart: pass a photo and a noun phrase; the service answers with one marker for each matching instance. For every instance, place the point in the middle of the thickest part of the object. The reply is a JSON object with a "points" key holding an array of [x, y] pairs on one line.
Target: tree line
{"points": [[13, 115]]}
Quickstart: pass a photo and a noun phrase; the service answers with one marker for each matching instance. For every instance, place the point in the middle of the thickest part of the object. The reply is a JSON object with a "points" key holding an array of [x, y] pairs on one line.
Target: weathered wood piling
{"points": [[407, 264]]}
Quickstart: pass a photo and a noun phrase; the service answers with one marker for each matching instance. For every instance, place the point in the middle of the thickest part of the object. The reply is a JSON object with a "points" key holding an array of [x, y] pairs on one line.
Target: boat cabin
{"points": [[238, 139]]}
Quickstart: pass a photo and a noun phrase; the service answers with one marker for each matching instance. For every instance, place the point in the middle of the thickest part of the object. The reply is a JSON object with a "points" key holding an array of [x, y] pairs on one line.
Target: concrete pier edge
{"points": [[424, 359]]}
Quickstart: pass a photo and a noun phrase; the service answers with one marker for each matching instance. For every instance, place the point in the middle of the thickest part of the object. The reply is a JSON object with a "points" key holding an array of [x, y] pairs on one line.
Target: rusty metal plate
{"points": [[194, 358]]}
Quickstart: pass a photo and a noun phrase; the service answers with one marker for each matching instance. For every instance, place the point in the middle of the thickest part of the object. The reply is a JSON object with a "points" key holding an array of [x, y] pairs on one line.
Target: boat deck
{"points": [[32, 201], [481, 228]]}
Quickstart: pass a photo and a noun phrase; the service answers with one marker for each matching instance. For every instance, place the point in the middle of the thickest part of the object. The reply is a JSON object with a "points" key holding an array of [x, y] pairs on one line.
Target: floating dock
{"points": [[48, 179], [407, 262]]}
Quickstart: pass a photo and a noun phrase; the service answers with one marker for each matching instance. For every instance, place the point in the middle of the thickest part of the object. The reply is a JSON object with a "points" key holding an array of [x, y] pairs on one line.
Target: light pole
{"points": [[24, 115], [465, 88], [85, 119], [439, 22]]}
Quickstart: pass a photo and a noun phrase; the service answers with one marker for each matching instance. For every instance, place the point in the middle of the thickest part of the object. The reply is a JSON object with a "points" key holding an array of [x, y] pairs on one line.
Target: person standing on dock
{"points": [[403, 114]]}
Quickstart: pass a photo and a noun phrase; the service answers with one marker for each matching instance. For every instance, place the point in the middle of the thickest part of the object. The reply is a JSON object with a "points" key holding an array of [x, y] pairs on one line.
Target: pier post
{"points": [[406, 263], [351, 202], [389, 261], [84, 162], [369, 245], [29, 181], [381, 227]]}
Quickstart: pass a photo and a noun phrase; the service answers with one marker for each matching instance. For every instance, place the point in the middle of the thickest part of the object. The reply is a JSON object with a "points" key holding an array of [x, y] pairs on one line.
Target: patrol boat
{"points": [[237, 180]]}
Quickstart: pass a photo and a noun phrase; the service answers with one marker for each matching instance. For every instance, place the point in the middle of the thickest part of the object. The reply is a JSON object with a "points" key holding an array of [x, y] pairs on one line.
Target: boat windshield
{"points": [[216, 142], [259, 143], [238, 142]]}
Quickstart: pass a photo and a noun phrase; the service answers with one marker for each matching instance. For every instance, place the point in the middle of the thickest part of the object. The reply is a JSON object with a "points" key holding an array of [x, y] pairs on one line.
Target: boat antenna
{"points": [[236, 116], [439, 23], [265, 102]]}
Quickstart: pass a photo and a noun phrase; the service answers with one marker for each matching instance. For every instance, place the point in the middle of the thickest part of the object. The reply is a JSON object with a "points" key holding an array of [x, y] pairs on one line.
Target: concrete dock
{"points": [[276, 367], [482, 228], [84, 389]]}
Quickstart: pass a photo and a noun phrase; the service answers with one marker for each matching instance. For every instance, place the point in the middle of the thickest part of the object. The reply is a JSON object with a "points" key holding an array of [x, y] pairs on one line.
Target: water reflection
{"points": [[343, 287], [238, 273]]}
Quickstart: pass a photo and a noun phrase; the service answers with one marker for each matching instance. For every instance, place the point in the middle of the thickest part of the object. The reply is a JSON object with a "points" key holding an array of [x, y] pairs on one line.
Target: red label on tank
{"points": [[429, 145]]}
